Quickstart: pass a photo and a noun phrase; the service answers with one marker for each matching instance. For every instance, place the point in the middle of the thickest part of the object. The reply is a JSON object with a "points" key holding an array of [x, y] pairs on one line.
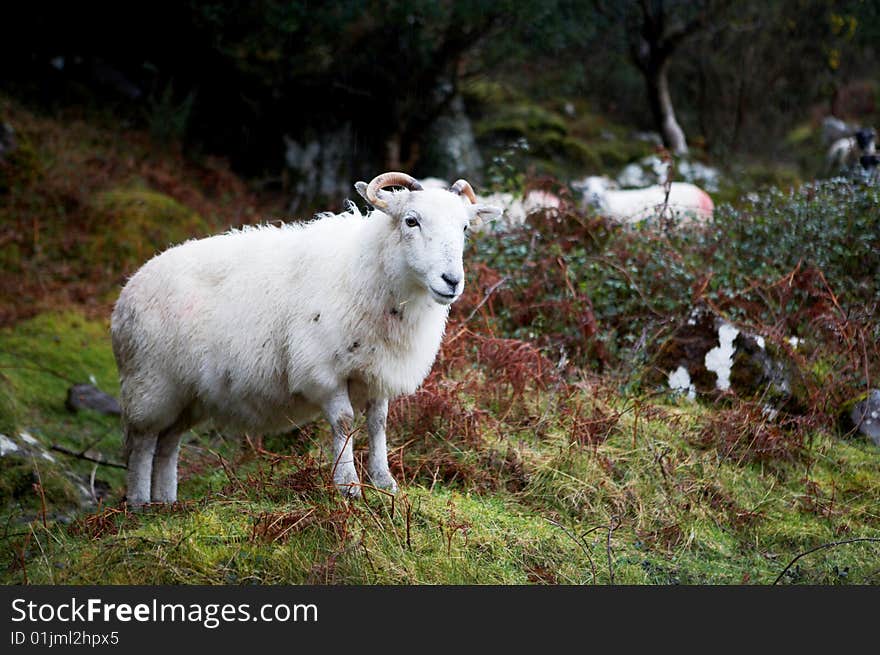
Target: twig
{"points": [[38, 487], [88, 458], [822, 547], [611, 528], [92, 483], [294, 524], [489, 292], [579, 542], [408, 506]]}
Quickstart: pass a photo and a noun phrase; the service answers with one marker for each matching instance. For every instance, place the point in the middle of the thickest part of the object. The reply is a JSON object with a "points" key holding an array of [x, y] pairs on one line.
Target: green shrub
{"points": [[583, 280]]}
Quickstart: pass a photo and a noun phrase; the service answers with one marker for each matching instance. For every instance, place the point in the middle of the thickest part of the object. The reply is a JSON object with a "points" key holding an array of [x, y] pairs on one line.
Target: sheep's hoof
{"points": [[383, 480], [348, 484], [350, 490]]}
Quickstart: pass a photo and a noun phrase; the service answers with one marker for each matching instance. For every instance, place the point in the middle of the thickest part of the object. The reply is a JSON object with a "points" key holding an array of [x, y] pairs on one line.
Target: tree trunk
{"points": [[660, 101]]}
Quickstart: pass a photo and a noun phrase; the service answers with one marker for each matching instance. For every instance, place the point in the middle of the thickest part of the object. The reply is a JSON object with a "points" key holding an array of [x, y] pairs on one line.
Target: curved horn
{"points": [[389, 179], [463, 187]]}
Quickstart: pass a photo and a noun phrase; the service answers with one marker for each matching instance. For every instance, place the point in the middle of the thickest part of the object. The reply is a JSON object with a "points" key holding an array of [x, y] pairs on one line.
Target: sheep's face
{"points": [[433, 226]]}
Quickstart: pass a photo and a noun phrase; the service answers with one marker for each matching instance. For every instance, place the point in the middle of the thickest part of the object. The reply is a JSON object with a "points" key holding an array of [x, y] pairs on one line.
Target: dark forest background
{"points": [[234, 77]]}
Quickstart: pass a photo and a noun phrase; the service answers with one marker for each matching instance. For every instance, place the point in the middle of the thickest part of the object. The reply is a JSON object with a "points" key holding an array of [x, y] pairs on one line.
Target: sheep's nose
{"points": [[451, 281]]}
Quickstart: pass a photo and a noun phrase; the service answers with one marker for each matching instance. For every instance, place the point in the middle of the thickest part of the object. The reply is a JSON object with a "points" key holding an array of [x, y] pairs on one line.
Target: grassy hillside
{"points": [[536, 452]]}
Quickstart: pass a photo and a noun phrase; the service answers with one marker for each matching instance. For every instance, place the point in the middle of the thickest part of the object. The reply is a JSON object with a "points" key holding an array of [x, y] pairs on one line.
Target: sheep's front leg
{"points": [[380, 476], [341, 417], [164, 488]]}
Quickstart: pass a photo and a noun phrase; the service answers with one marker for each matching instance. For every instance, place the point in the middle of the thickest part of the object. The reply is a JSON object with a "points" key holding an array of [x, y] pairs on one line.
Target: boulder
{"points": [[652, 170], [707, 355], [862, 416], [449, 149], [88, 396], [320, 166]]}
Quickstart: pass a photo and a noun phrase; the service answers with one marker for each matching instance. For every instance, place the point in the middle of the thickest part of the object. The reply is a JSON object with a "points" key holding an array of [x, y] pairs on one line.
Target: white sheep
{"points": [[686, 201], [262, 329], [845, 153], [515, 209]]}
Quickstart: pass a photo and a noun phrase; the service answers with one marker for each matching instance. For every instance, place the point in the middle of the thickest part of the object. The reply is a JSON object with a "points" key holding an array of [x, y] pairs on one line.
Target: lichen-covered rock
{"points": [[450, 148], [766, 370], [862, 416], [321, 166], [686, 349], [707, 355], [654, 170]]}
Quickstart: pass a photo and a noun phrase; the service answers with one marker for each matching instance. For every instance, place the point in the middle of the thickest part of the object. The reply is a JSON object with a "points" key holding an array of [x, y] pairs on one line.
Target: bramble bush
{"points": [[802, 263]]}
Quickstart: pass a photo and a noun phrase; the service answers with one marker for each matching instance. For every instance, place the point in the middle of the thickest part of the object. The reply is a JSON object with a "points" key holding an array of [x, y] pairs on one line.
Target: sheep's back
{"points": [[212, 317]]}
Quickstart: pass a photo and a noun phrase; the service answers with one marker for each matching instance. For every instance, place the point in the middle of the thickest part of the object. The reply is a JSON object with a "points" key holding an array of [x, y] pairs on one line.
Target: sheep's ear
{"points": [[485, 214], [361, 188]]}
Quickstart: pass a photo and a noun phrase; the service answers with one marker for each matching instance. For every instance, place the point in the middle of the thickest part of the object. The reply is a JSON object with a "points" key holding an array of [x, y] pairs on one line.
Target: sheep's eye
{"points": [[411, 221], [465, 227]]}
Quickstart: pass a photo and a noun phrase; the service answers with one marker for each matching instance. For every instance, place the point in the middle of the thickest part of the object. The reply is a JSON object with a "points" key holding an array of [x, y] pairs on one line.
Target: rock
{"points": [[653, 170], [653, 138], [87, 396], [25, 461], [321, 166], [863, 416], [767, 371], [708, 355], [7, 446], [7, 141], [680, 360], [450, 148], [635, 177]]}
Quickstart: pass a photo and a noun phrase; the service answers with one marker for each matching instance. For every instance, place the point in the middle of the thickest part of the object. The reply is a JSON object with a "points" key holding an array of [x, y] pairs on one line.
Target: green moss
{"points": [[524, 120], [129, 226], [18, 478], [40, 359], [613, 154], [484, 92], [9, 406], [800, 134]]}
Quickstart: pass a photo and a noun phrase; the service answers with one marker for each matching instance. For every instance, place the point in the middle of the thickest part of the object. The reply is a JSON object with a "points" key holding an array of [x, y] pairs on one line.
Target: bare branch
{"points": [[88, 458], [822, 547]]}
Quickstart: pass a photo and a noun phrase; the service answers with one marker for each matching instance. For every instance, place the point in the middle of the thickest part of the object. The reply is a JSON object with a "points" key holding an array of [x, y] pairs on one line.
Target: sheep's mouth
{"points": [[443, 298]]}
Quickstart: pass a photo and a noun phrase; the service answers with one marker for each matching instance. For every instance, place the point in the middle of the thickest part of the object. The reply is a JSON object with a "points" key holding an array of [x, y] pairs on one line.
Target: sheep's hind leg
{"points": [[141, 448], [380, 475], [164, 489], [341, 417]]}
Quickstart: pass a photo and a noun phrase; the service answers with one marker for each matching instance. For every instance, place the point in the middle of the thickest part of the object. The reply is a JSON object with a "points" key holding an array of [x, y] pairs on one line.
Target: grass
{"points": [[640, 503]]}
